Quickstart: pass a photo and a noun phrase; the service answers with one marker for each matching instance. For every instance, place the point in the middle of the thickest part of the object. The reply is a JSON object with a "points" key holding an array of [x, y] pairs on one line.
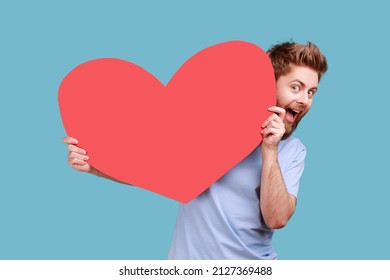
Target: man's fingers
{"points": [[76, 161], [79, 165], [70, 140], [268, 120], [73, 148], [272, 131], [78, 156], [274, 123], [272, 120], [278, 110], [278, 116]]}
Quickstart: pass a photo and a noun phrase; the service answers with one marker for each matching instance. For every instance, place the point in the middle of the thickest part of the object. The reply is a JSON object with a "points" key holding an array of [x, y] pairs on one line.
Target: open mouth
{"points": [[291, 114]]}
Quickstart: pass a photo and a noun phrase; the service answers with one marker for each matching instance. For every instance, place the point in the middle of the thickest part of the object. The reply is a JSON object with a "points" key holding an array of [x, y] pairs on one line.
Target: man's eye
{"points": [[311, 92], [295, 88]]}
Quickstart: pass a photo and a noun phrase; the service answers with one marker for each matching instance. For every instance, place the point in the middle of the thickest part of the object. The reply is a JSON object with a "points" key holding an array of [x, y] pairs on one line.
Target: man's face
{"points": [[294, 93]]}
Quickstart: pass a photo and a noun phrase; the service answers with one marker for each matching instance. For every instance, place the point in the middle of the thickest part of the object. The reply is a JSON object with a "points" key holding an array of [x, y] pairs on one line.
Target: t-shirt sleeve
{"points": [[294, 169]]}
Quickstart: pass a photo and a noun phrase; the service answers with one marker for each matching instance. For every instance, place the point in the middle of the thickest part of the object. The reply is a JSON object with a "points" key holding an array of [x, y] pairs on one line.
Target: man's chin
{"points": [[289, 130]]}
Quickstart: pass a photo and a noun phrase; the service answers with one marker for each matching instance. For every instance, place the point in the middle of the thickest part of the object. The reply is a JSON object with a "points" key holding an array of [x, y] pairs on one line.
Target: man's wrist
{"points": [[269, 153], [94, 171]]}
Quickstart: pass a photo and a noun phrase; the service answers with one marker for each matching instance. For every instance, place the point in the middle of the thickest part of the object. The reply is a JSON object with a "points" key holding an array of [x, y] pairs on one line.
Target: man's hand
{"points": [[273, 129], [77, 157]]}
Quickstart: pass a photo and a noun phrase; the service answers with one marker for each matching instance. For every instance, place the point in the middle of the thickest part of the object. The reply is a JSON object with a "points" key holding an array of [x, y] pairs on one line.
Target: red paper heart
{"points": [[175, 140]]}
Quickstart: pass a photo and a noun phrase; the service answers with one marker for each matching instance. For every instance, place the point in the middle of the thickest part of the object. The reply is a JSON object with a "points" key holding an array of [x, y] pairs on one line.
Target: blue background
{"points": [[50, 211]]}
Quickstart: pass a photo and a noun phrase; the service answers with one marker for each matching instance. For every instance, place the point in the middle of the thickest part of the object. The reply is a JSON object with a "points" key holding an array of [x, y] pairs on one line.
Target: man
{"points": [[235, 218]]}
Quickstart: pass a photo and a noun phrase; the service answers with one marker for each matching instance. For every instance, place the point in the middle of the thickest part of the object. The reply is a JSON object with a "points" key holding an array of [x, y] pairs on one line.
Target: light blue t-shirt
{"points": [[224, 222]]}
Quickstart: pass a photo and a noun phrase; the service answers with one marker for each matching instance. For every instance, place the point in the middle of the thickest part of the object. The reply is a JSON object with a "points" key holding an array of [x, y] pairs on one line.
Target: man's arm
{"points": [[98, 173], [276, 204]]}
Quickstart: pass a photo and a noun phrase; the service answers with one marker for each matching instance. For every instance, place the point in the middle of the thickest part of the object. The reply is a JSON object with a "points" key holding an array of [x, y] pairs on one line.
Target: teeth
{"points": [[295, 111]]}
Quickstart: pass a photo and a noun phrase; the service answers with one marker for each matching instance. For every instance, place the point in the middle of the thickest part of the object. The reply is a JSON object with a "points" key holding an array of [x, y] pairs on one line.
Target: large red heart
{"points": [[175, 140]]}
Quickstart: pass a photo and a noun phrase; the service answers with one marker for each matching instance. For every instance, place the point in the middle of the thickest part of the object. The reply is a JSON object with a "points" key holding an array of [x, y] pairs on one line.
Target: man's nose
{"points": [[303, 98]]}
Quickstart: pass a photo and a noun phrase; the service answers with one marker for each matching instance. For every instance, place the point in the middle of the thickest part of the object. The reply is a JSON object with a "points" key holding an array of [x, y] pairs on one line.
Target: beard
{"points": [[291, 127]]}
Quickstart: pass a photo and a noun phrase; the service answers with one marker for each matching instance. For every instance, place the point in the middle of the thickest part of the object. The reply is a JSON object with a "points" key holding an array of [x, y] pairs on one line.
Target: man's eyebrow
{"points": [[299, 81]]}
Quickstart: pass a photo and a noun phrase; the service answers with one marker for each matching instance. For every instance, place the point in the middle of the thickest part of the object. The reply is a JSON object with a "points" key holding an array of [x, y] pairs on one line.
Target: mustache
{"points": [[298, 108]]}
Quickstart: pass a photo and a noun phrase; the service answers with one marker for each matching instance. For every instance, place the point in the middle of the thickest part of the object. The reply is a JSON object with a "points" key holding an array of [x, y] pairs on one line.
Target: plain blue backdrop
{"points": [[50, 211]]}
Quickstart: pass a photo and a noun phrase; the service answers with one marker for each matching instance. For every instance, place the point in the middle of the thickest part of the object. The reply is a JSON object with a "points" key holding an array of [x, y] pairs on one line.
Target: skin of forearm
{"points": [[98, 173], [276, 204]]}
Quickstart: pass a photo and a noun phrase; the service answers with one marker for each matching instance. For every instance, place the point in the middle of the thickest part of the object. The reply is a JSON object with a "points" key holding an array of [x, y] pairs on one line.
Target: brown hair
{"points": [[284, 54]]}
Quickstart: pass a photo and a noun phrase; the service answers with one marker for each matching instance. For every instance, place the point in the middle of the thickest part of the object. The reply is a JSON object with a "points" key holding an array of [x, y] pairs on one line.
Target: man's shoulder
{"points": [[292, 146], [291, 142]]}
